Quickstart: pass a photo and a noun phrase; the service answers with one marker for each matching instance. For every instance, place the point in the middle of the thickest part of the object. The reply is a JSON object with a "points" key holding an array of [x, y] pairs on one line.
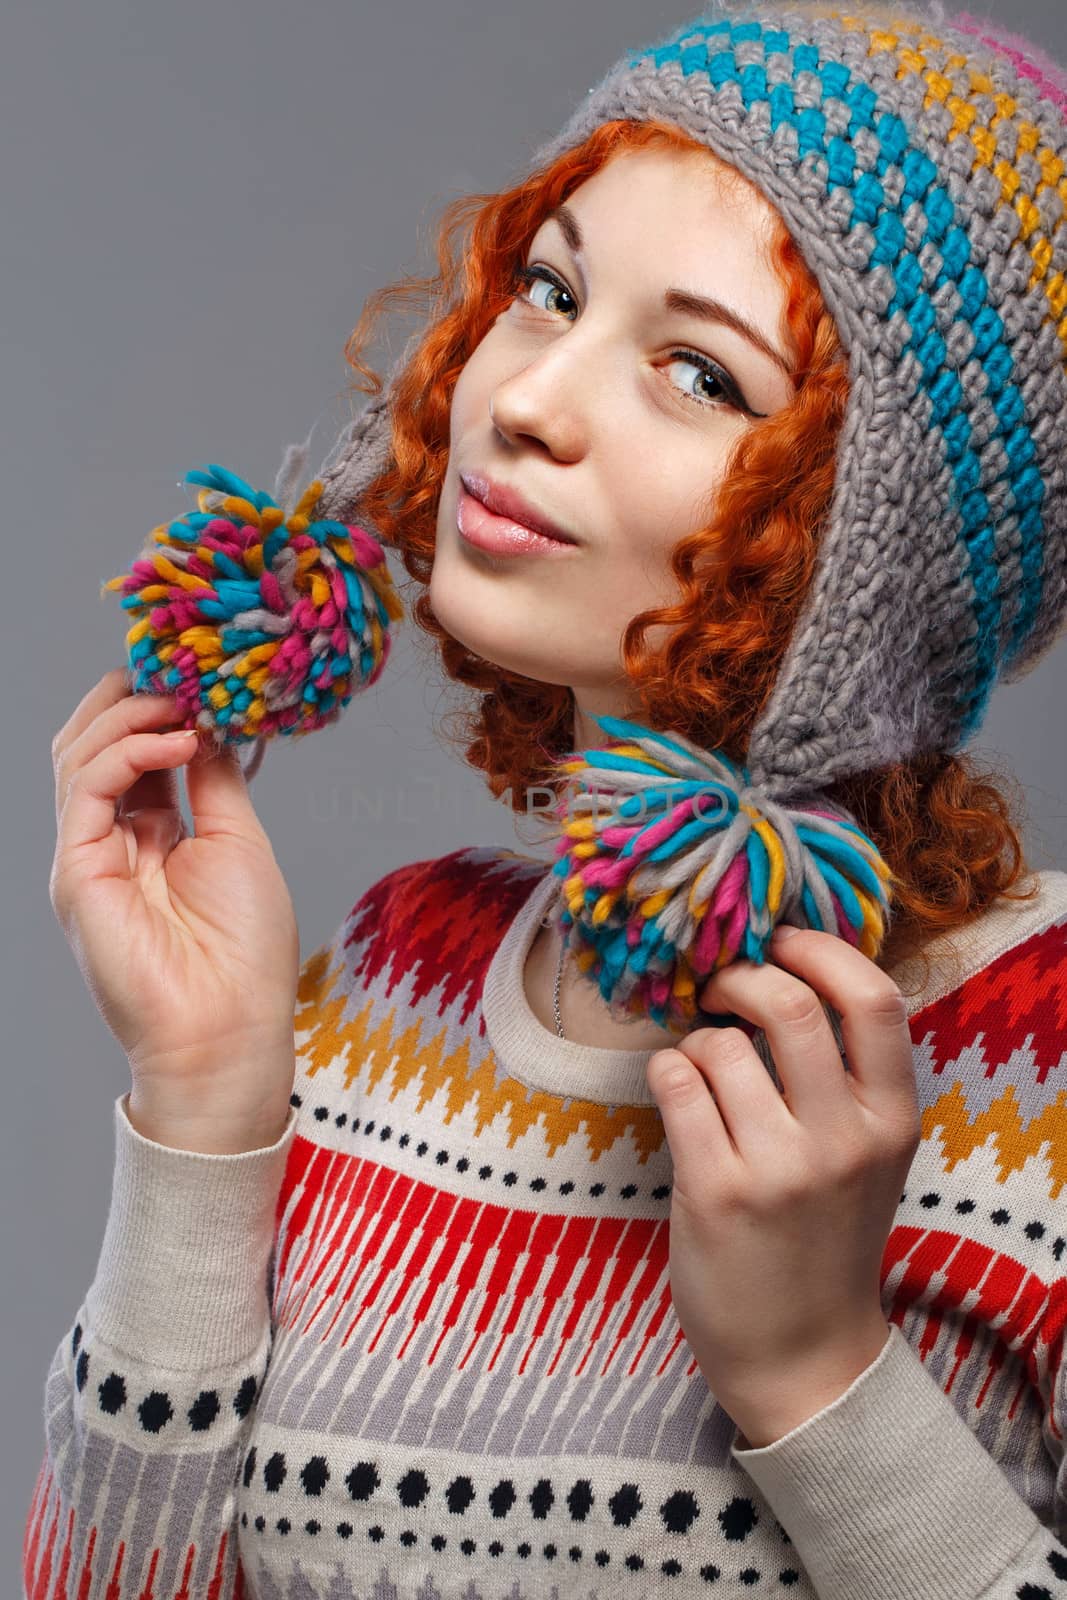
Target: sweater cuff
{"points": [[182, 1277], [887, 1493]]}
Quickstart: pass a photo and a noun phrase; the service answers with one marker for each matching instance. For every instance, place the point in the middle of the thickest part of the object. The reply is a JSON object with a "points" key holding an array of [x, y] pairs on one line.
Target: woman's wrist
{"points": [[208, 1129]]}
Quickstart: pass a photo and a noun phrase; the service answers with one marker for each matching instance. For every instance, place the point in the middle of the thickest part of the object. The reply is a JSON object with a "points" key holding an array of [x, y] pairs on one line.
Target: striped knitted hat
{"points": [[920, 165], [921, 169]]}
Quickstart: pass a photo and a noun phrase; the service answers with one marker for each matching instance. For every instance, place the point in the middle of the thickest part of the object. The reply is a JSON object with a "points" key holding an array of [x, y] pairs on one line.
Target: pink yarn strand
{"points": [[1028, 59]]}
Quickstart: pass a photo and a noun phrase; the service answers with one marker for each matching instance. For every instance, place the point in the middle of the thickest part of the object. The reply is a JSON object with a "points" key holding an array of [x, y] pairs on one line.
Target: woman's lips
{"points": [[500, 535]]}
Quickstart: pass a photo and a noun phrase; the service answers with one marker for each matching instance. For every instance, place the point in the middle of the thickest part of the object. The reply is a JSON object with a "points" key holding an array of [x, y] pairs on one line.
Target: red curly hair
{"points": [[943, 826]]}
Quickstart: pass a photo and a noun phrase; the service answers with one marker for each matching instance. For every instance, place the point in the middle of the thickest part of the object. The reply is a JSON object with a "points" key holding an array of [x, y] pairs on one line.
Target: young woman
{"points": [[432, 1271]]}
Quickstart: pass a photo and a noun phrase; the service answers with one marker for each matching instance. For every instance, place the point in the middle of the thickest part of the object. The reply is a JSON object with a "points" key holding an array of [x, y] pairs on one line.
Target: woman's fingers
{"points": [[132, 713], [87, 811], [786, 998], [112, 687]]}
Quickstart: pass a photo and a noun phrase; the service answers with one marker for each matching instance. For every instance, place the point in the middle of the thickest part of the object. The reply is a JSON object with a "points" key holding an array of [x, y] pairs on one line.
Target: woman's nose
{"points": [[547, 400]]}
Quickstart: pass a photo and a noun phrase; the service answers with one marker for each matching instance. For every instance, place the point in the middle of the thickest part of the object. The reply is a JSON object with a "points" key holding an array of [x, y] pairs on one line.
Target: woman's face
{"points": [[585, 398]]}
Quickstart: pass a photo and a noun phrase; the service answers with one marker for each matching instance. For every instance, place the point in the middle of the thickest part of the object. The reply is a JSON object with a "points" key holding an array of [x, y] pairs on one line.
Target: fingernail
{"points": [[785, 930]]}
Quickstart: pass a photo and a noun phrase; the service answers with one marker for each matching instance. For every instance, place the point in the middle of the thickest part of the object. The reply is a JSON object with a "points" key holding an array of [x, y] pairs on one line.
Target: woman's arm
{"points": [[887, 1493], [886, 1490], [149, 1399]]}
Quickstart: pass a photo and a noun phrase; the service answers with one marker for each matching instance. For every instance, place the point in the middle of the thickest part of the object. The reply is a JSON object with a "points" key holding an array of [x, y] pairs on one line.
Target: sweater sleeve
{"points": [[887, 1493], [150, 1395]]}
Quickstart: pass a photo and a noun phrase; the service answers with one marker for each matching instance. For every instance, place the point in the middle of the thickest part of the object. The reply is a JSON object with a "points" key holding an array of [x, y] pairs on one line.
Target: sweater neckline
{"points": [[539, 1058], [533, 1053]]}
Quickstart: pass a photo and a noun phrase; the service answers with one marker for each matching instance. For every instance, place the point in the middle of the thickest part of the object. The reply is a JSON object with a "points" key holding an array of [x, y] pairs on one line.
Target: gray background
{"points": [[197, 199]]}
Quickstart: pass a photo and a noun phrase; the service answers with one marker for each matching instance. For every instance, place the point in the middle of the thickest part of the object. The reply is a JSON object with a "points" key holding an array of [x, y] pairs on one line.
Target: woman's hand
{"points": [[188, 944], [783, 1202]]}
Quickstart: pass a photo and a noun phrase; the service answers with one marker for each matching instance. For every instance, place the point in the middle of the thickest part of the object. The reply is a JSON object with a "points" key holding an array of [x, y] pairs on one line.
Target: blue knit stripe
{"points": [[694, 51]]}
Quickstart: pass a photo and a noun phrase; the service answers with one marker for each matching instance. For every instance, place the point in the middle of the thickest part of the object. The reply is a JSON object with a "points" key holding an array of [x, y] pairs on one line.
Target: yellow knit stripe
{"points": [[965, 120]]}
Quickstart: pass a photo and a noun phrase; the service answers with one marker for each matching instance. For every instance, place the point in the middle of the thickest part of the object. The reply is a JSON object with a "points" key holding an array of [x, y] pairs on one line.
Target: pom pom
{"points": [[686, 867], [261, 623]]}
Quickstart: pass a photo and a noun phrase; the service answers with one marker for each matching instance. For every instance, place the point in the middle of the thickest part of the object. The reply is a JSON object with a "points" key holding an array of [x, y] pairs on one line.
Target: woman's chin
{"points": [[506, 629]]}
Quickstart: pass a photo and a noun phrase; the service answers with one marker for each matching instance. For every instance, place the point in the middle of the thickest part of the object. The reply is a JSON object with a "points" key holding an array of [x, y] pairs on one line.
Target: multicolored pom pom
{"points": [[261, 623], [674, 866]]}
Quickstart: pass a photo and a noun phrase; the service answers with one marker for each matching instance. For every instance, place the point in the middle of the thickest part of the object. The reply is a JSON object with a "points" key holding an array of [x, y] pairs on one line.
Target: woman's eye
{"points": [[707, 370], [531, 275]]}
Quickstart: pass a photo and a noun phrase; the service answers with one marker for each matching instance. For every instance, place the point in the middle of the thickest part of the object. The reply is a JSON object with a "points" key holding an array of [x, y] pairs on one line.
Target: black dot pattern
{"points": [[563, 1511], [204, 1410], [112, 1394], [314, 1475], [155, 1412], [582, 1522], [1028, 1228], [538, 1184]]}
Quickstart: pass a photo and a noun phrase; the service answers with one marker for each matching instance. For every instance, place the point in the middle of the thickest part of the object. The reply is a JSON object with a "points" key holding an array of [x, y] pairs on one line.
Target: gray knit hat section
{"points": [[906, 627], [360, 452]]}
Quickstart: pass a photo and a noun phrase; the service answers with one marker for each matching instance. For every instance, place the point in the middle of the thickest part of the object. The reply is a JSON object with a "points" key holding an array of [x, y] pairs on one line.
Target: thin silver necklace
{"points": [[555, 996], [546, 922]]}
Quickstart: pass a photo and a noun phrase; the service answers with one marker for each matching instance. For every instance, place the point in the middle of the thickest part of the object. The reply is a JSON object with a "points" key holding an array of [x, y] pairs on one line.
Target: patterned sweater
{"points": [[424, 1345]]}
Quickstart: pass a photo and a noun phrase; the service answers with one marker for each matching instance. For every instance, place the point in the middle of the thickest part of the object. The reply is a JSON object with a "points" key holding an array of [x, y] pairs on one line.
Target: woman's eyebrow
{"points": [[683, 301]]}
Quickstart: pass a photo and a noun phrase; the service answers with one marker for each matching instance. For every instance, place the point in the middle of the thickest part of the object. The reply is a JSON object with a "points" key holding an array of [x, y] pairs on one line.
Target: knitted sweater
{"points": [[424, 1345]]}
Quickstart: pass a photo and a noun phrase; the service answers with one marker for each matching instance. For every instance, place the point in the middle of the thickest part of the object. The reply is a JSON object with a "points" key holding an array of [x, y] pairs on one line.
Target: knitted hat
{"points": [[920, 166], [922, 173]]}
